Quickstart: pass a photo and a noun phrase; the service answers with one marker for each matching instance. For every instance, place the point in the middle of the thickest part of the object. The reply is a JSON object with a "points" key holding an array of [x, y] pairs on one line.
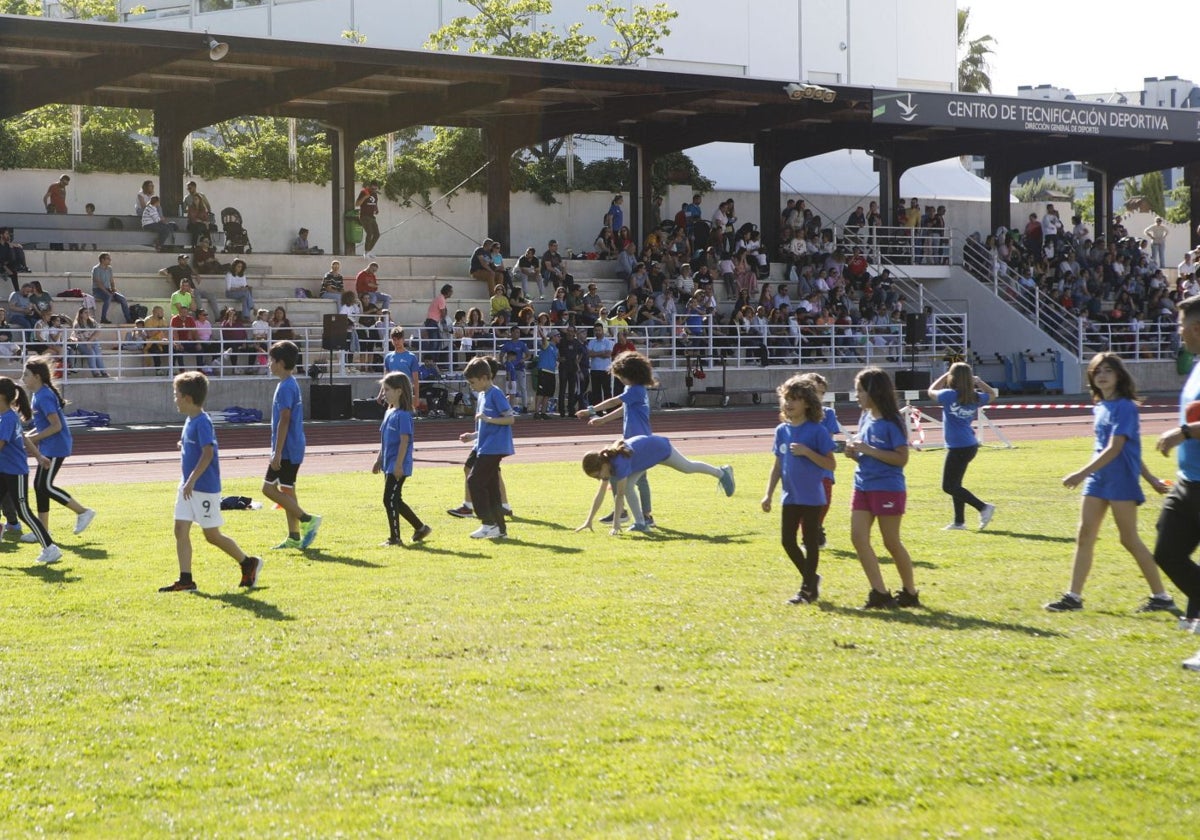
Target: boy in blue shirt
{"points": [[493, 440], [400, 358], [547, 365], [199, 496], [287, 448]]}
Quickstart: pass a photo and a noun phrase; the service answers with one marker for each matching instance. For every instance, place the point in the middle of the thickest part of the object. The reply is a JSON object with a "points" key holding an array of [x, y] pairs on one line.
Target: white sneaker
{"points": [[486, 532], [50, 554], [83, 520], [985, 516], [1189, 625], [1192, 663], [29, 537], [955, 526]]}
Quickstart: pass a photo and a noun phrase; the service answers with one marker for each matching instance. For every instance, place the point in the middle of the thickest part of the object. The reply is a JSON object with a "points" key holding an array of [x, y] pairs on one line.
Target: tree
{"points": [[1153, 188], [1033, 190], [1180, 211], [973, 56]]}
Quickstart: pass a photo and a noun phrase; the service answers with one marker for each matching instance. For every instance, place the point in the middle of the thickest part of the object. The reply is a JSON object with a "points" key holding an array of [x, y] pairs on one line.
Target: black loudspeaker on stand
{"points": [[915, 332], [332, 402]]}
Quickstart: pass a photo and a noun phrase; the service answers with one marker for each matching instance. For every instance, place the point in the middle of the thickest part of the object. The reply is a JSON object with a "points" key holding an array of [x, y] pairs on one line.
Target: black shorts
{"points": [[545, 383], [285, 476]]}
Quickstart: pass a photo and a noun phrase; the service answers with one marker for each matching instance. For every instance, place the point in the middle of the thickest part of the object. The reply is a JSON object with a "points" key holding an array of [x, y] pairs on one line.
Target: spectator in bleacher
{"points": [[83, 342], [481, 265], [197, 211], [575, 305], [300, 244], [856, 221], [351, 308], [333, 284], [153, 221], [615, 218], [260, 336], [40, 298], [599, 356], [208, 349], [553, 271], [436, 321], [182, 298], [367, 205], [367, 286], [237, 287], [558, 306], [21, 311], [626, 262], [142, 200], [281, 327], [12, 257], [604, 245], [184, 340], [55, 199], [1187, 268], [178, 272], [104, 289], [529, 270], [591, 304], [204, 258], [500, 307], [156, 339]]}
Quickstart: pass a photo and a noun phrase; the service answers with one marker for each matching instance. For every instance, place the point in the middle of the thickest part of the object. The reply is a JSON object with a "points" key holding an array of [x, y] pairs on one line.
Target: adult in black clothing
{"points": [[12, 258], [571, 354]]}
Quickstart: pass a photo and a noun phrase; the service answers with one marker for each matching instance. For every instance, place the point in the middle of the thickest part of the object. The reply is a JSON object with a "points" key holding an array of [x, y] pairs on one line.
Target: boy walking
{"points": [[287, 447], [199, 496], [493, 440]]}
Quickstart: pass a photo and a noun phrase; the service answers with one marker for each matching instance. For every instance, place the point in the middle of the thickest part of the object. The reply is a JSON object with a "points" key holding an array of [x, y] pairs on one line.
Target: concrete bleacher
{"points": [[40, 230]]}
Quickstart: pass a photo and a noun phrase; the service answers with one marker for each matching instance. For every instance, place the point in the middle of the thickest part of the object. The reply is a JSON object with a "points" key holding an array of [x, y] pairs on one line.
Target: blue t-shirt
{"points": [[1189, 450], [13, 460], [873, 474], [397, 422], [831, 424], [517, 347], [636, 420], [491, 439], [1118, 481], [957, 418], [648, 451], [287, 395], [46, 404], [198, 432], [548, 358], [801, 477], [618, 217], [404, 361]]}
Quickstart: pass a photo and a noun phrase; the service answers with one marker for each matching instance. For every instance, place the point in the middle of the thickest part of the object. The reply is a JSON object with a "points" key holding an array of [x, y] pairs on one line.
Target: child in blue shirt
{"points": [[403, 360], [15, 448], [829, 420], [1110, 481], [803, 454], [493, 441], [880, 449], [396, 457], [960, 393], [199, 497], [287, 448]]}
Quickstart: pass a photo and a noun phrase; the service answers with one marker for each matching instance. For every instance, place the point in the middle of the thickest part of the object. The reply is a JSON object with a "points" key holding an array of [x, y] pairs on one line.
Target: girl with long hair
{"points": [[961, 394], [396, 457], [15, 449]]}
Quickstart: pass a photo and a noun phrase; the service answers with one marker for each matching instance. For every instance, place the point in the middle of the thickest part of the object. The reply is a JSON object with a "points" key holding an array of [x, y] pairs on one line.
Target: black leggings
{"points": [[1178, 535], [394, 504], [957, 460], [44, 489], [16, 488], [807, 520]]}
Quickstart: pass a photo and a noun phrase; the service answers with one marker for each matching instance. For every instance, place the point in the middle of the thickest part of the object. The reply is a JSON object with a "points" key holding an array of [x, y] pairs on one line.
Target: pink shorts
{"points": [[879, 502]]}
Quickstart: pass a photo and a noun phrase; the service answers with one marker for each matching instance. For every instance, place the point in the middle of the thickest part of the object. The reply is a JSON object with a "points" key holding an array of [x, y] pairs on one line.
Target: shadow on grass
{"points": [[541, 523], [326, 557], [715, 539], [88, 552], [50, 574], [426, 548], [1026, 536], [554, 549], [242, 601], [940, 619]]}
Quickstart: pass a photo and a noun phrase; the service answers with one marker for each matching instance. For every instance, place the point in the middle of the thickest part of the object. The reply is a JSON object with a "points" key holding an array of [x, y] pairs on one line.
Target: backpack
{"points": [[137, 311]]}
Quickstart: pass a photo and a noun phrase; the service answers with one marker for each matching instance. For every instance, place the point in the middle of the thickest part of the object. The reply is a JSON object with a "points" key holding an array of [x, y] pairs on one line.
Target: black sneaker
{"points": [[251, 566], [904, 598], [800, 597], [462, 512], [607, 520], [179, 586], [422, 532], [1154, 603], [813, 593], [877, 600], [1067, 603], [822, 536]]}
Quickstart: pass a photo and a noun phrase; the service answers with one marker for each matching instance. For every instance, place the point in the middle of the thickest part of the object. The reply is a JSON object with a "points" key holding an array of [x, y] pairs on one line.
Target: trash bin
{"points": [[354, 230], [1184, 361]]}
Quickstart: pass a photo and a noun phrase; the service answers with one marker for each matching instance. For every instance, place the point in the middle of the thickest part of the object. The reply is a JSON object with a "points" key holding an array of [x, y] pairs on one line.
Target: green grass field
{"points": [[566, 685]]}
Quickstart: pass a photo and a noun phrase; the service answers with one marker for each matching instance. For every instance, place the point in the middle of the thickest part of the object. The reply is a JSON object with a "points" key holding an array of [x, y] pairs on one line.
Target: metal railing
{"points": [[1157, 341], [893, 246]]}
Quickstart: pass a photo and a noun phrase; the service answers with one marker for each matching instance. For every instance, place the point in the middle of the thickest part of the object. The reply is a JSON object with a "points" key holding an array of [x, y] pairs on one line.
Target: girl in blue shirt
{"points": [[803, 454], [395, 459], [880, 448], [830, 422], [53, 438], [960, 393], [14, 463], [627, 459], [1110, 481]]}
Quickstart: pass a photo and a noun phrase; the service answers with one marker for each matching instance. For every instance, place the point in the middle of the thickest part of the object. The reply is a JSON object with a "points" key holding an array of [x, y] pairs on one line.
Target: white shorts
{"points": [[202, 508]]}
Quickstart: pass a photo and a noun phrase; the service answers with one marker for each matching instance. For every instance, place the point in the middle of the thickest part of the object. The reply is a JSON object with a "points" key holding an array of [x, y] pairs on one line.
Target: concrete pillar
{"points": [[170, 133], [770, 167], [1191, 177], [1102, 190], [499, 188]]}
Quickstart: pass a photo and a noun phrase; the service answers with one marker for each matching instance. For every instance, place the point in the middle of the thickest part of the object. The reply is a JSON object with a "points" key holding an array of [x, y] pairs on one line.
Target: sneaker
{"points": [[13, 530], [1192, 663], [1155, 603], [640, 527], [800, 597], [1067, 603], [422, 532], [287, 544], [508, 511], [985, 516], [462, 512], [650, 521], [308, 531], [50, 554], [83, 520], [1188, 625], [391, 543], [179, 586], [955, 526], [726, 480], [879, 601], [486, 532], [904, 598], [251, 566], [813, 593], [607, 520], [28, 537]]}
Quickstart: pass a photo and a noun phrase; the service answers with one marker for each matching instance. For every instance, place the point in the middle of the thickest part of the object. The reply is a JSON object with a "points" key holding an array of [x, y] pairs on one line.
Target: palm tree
{"points": [[973, 62]]}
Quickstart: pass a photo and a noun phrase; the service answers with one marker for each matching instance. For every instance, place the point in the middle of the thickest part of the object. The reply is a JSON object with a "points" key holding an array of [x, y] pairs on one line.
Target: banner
{"points": [[1043, 116]]}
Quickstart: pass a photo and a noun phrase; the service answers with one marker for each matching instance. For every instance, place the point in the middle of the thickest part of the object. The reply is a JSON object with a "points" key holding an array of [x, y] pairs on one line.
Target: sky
{"points": [[1084, 46]]}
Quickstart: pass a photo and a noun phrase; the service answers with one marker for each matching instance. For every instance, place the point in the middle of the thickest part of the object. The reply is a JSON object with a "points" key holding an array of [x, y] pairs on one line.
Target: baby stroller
{"points": [[701, 231], [237, 241]]}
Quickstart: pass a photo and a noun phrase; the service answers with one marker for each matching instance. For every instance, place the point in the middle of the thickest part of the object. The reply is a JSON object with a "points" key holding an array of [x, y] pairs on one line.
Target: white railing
{"points": [[900, 245], [1132, 341]]}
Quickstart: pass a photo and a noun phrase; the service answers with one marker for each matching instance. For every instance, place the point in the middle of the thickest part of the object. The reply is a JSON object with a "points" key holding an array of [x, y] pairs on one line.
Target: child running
{"points": [[396, 456], [830, 422], [287, 448], [632, 405], [1110, 481], [961, 393], [199, 497], [15, 448], [880, 448], [627, 459], [53, 439], [493, 440], [803, 455]]}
